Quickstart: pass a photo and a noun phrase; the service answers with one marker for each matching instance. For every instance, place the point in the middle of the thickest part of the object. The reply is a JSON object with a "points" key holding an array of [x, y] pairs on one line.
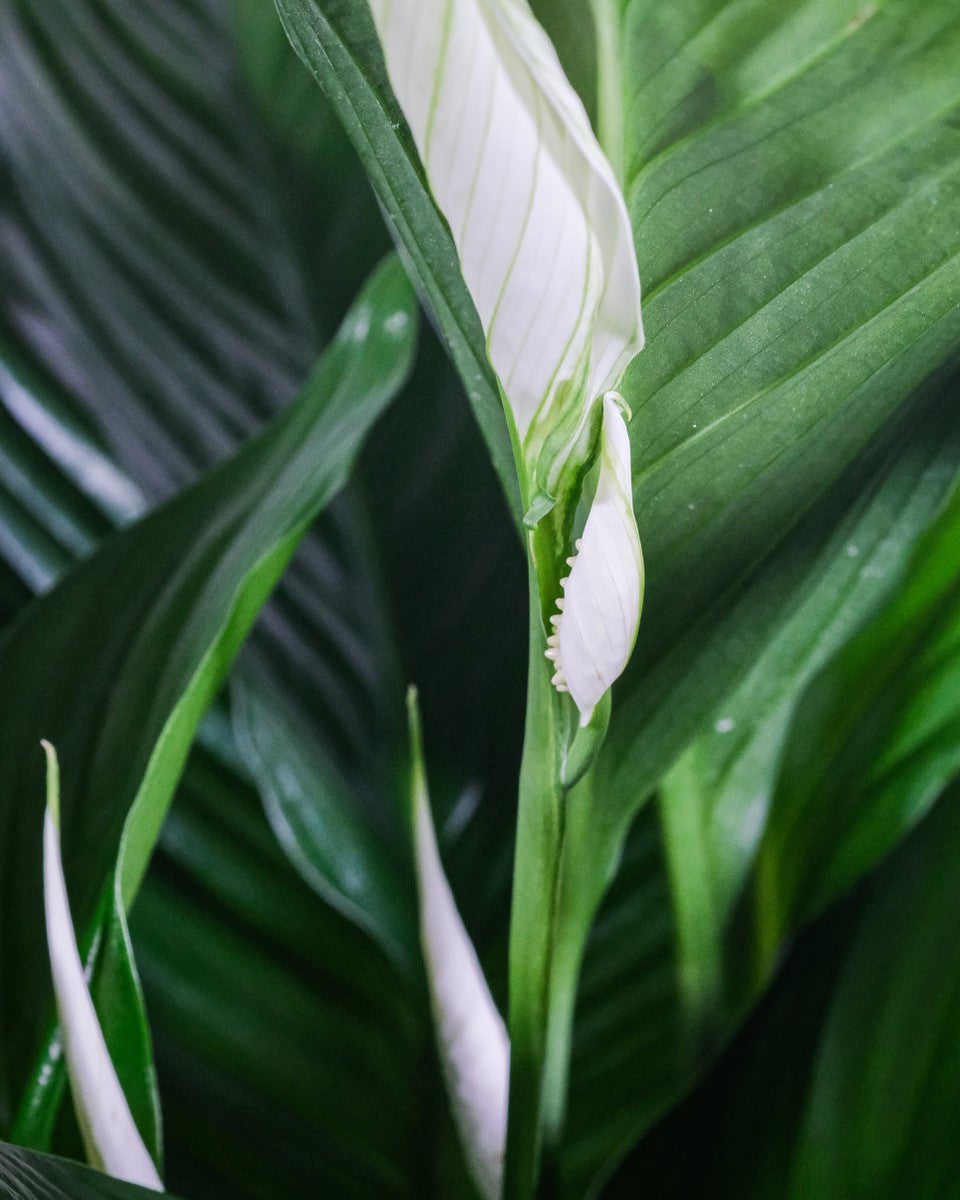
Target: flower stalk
{"points": [[546, 250]]}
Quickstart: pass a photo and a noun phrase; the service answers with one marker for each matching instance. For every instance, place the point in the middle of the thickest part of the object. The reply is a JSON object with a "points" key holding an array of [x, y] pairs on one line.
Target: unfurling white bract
{"points": [[596, 627], [536, 213], [471, 1036], [110, 1136], [546, 250]]}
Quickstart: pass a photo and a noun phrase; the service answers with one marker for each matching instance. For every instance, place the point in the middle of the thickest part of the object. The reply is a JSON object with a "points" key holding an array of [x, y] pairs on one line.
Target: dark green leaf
{"points": [[800, 335], [159, 614], [337, 41], [26, 1175], [844, 1083]]}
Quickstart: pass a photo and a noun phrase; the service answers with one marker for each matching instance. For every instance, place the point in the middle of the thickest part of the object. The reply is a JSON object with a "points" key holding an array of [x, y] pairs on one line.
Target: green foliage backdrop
{"points": [[185, 219]]}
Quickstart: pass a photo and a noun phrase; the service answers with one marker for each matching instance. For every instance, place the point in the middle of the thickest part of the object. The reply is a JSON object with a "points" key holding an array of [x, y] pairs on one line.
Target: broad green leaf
{"points": [[146, 264], [874, 742], [155, 278], [844, 1082], [184, 587], [659, 1030], [781, 351], [26, 1175]]}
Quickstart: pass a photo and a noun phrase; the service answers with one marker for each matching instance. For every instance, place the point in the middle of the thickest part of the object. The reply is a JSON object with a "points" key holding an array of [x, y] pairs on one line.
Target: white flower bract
{"points": [[536, 213], [599, 610], [112, 1140], [546, 250], [471, 1036]]}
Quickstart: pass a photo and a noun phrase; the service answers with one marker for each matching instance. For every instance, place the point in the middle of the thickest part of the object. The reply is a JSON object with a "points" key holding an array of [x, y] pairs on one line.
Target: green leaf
{"points": [[157, 280], [26, 1175], [182, 589], [777, 352], [337, 41], [903, 974], [335, 229], [875, 740], [317, 819], [293, 1056], [823, 1085], [147, 264], [693, 982]]}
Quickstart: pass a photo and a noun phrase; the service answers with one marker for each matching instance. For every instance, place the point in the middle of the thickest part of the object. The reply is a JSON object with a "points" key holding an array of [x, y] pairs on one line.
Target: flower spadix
{"points": [[471, 1036], [545, 248], [111, 1138]]}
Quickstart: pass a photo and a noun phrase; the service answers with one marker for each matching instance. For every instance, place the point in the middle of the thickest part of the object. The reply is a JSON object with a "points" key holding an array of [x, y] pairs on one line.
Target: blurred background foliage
{"points": [[769, 1001]]}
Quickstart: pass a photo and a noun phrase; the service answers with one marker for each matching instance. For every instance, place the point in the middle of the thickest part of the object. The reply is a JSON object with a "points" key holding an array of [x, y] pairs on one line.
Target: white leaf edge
{"points": [[111, 1138]]}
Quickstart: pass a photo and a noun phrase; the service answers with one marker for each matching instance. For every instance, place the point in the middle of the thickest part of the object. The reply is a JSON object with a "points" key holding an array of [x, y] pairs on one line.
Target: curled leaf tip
{"points": [[110, 1136], [53, 781]]}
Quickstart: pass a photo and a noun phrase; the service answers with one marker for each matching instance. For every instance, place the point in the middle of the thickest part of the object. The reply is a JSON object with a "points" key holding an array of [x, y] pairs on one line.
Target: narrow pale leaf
{"points": [[112, 1140], [471, 1035]]}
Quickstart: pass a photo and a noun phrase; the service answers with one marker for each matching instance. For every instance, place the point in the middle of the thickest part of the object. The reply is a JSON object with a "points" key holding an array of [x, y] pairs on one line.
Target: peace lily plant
{"points": [[713, 903], [546, 251]]}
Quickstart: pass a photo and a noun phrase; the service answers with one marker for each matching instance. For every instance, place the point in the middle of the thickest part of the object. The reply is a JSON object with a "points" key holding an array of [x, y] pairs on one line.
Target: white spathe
{"points": [[535, 210], [596, 626], [471, 1036], [546, 250], [111, 1138]]}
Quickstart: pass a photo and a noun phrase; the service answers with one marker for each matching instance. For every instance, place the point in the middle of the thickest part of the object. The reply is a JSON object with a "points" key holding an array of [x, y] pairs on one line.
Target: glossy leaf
{"points": [[822, 1085], [26, 1175], [338, 43], [157, 280], [225, 540], [874, 742], [111, 1139], [292, 1054]]}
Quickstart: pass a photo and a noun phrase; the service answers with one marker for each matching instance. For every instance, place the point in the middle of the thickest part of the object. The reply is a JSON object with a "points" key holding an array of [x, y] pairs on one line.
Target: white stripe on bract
{"points": [[536, 213], [604, 590], [112, 1139], [473, 1042]]}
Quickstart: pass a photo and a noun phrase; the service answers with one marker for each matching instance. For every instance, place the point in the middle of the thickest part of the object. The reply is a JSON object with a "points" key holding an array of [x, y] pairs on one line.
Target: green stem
{"points": [[545, 943], [538, 855], [610, 114]]}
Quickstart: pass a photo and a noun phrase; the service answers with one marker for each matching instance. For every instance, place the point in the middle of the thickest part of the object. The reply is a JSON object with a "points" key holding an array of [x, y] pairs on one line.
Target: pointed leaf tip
{"points": [[471, 1036], [111, 1138]]}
